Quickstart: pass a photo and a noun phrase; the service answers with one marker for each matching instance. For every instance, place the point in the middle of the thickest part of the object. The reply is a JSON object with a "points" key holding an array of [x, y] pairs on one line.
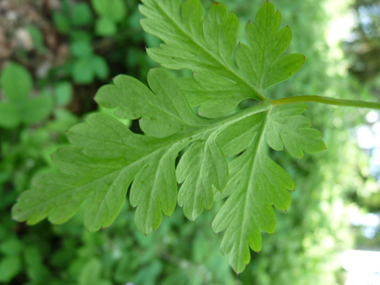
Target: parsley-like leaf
{"points": [[257, 183], [207, 48], [106, 158], [287, 127]]}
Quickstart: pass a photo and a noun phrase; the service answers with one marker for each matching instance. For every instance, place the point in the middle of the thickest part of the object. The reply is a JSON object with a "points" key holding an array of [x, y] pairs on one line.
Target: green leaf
{"points": [[260, 61], [10, 266], [61, 22], [256, 184], [287, 127], [82, 49], [110, 112], [16, 82], [106, 158], [82, 71], [201, 167], [37, 109], [105, 27], [63, 119], [80, 35], [34, 264], [11, 246], [64, 93], [97, 169], [112, 9], [150, 274], [90, 273], [35, 268], [207, 48], [38, 38], [9, 115], [81, 14], [100, 67], [86, 68], [237, 137]]}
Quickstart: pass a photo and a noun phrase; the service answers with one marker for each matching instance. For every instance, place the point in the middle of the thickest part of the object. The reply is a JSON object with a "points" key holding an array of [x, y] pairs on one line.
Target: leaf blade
{"points": [[256, 183], [286, 127], [187, 47]]}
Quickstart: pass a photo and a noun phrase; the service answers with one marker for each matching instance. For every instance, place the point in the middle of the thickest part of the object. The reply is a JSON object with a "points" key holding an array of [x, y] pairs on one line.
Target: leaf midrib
{"points": [[255, 151]]}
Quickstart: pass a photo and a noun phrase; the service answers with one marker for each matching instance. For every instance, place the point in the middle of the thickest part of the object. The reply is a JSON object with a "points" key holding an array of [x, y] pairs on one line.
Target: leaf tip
{"points": [[146, 235], [271, 234], [257, 252], [286, 210], [216, 3]]}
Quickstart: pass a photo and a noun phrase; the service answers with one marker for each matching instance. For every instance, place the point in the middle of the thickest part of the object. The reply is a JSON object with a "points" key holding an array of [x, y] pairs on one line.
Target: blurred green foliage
{"points": [[105, 39], [110, 13]]}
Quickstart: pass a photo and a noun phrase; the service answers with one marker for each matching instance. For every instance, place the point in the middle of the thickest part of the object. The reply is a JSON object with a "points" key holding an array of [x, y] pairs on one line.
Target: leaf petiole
{"points": [[326, 100]]}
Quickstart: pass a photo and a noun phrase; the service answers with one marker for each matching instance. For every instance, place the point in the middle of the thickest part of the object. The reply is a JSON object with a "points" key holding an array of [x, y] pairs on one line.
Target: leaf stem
{"points": [[326, 100]]}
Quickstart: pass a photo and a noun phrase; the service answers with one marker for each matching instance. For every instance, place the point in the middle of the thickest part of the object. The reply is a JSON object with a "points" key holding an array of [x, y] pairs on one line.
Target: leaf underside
{"points": [[105, 158]]}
